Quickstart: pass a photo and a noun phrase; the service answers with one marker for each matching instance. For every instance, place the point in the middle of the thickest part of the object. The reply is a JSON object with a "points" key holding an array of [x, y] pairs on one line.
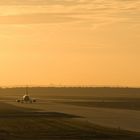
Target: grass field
{"points": [[19, 123], [75, 92], [116, 104]]}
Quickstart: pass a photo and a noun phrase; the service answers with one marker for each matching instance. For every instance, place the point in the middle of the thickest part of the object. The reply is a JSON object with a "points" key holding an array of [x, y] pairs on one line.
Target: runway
{"points": [[115, 118]]}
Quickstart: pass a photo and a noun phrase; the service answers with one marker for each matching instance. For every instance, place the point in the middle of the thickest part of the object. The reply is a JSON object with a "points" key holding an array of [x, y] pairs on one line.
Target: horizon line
{"points": [[69, 86]]}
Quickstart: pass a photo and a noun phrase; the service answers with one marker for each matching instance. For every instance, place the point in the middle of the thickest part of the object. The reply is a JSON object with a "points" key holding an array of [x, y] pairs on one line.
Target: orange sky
{"points": [[70, 42]]}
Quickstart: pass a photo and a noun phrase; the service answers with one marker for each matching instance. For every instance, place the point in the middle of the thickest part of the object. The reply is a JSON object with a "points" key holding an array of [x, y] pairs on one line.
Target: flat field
{"points": [[70, 114]]}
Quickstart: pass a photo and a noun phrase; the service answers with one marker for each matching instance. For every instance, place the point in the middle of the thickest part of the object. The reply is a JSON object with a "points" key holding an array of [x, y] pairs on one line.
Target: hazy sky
{"points": [[70, 42]]}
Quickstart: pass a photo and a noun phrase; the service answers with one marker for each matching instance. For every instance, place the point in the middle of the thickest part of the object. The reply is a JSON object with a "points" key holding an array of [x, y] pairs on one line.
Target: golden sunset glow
{"points": [[70, 42]]}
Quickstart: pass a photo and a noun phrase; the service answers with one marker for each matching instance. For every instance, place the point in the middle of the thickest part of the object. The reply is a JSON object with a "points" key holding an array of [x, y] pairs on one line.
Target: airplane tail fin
{"points": [[26, 91]]}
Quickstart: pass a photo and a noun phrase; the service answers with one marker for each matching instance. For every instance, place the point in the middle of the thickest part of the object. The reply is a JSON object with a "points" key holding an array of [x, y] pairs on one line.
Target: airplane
{"points": [[26, 98]]}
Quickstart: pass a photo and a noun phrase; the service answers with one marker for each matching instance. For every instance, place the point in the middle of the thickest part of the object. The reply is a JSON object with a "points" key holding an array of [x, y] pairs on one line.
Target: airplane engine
{"points": [[18, 101], [34, 100]]}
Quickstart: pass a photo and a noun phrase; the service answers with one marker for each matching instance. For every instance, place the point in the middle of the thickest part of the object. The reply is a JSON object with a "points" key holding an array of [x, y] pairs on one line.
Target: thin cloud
{"points": [[37, 18], [39, 2], [83, 11]]}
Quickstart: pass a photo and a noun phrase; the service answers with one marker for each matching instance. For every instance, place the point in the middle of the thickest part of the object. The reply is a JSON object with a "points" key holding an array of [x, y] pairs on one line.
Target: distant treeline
{"points": [[72, 90]]}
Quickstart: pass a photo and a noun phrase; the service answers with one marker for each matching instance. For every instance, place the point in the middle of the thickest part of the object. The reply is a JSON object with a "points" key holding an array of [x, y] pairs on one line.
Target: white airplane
{"points": [[26, 98]]}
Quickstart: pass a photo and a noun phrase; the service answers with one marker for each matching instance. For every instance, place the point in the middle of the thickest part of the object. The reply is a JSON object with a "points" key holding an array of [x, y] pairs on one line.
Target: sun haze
{"points": [[70, 42]]}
